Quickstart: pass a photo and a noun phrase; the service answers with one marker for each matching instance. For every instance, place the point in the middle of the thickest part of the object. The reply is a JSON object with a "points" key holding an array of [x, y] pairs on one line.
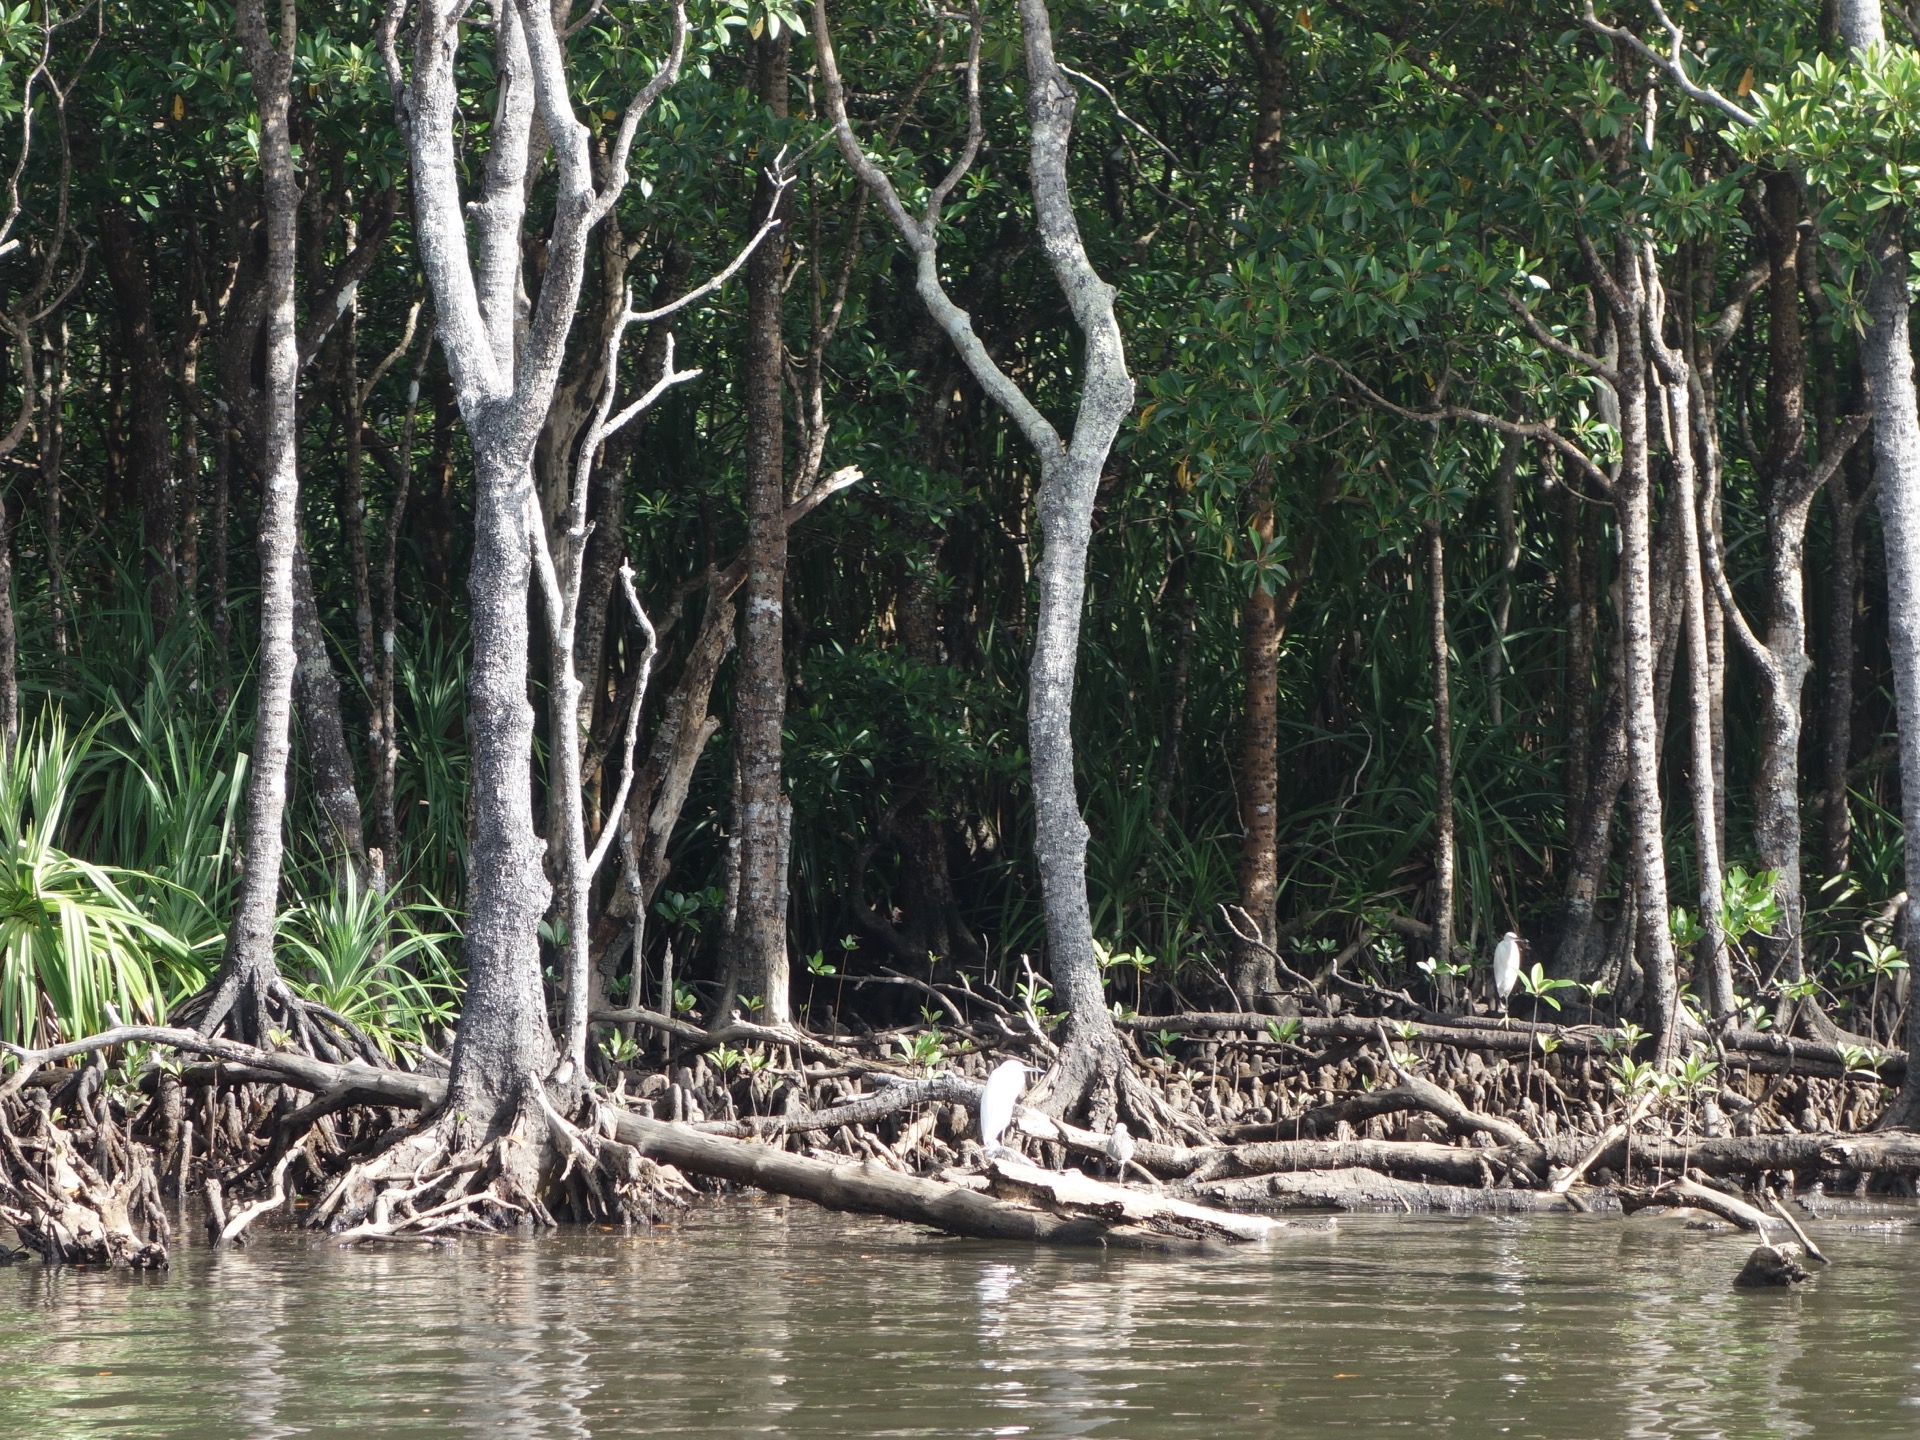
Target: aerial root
{"points": [[434, 1181], [264, 1010], [76, 1212]]}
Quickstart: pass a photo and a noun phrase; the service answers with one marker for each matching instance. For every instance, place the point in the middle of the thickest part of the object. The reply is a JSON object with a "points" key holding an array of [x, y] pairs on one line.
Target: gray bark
{"points": [[756, 960], [1886, 363], [562, 565], [1677, 391], [1848, 504], [504, 354], [1625, 289], [248, 976], [1069, 477], [1785, 665], [1442, 748]]}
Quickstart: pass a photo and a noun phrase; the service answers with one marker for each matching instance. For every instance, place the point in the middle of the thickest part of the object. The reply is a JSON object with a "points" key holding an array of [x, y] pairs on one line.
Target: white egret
{"points": [[1506, 967], [997, 1099], [1120, 1149]]}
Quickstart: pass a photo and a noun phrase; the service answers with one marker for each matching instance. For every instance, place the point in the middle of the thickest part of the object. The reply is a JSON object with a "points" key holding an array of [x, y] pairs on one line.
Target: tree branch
{"points": [[1674, 64], [1525, 429]]}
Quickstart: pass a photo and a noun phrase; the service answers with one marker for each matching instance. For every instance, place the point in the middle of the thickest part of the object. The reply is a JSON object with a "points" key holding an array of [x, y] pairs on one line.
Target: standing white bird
{"points": [[1506, 967], [997, 1099], [1120, 1149]]}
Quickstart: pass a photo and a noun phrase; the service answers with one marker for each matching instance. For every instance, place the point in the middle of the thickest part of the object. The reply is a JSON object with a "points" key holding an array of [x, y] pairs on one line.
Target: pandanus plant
{"points": [[75, 946]]}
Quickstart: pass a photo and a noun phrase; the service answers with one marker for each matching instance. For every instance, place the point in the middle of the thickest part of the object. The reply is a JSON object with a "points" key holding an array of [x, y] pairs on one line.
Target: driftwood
{"points": [[1806, 1241], [1695, 1196], [234, 1231], [1069, 1192], [1613, 1135]]}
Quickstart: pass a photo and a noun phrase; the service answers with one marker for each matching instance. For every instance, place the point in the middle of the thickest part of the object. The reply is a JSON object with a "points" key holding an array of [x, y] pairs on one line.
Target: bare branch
{"points": [[1602, 275], [971, 149], [1526, 429], [647, 400], [798, 510], [574, 27], [1849, 431], [395, 355], [1550, 341], [781, 178], [619, 804], [337, 295], [1674, 63], [1148, 135], [1745, 288], [920, 238]]}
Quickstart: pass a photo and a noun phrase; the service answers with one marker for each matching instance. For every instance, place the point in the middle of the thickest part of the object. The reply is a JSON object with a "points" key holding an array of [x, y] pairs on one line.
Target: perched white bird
{"points": [[997, 1100], [1120, 1149], [1506, 967]]}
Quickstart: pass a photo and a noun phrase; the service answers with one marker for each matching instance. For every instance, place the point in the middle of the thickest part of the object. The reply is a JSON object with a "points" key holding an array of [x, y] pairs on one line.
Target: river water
{"points": [[755, 1317]]}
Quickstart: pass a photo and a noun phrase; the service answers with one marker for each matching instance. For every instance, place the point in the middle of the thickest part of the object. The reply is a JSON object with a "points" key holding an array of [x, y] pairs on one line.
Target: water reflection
{"points": [[756, 1318]]}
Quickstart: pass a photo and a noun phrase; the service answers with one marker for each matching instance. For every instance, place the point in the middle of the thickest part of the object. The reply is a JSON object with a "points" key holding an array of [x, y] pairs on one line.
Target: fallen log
{"points": [[1070, 1191], [1370, 1190], [1408, 1159], [1893, 1152], [1692, 1195], [863, 1110], [1615, 1134], [868, 1188], [1367, 1105]]}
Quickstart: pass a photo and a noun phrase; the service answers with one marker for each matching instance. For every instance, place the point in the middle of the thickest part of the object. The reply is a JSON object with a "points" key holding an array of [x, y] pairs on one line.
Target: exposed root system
{"points": [[433, 1178], [1357, 1117]]}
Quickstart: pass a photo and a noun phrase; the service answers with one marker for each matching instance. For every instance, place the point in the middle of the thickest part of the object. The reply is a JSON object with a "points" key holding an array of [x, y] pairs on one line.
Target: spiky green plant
{"points": [[74, 941], [431, 786], [388, 969], [168, 783]]}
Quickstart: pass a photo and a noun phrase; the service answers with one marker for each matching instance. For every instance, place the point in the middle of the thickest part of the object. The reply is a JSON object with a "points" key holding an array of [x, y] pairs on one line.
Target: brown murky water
{"points": [[758, 1318]]}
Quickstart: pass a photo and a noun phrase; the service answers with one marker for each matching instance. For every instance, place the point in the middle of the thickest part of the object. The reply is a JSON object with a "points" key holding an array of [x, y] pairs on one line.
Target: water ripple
{"points": [[756, 1318]]}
